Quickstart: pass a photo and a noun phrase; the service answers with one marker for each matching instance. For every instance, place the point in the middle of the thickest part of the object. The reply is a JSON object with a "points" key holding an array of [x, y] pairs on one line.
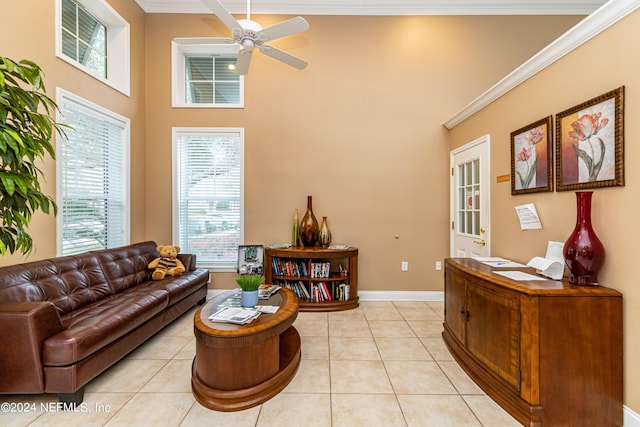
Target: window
{"points": [[208, 194], [92, 36], [93, 177], [84, 38], [211, 80], [203, 76]]}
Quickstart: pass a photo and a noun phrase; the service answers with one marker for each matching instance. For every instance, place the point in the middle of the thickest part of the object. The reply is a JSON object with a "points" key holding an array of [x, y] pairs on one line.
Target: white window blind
{"points": [[208, 194], [84, 38], [93, 178]]}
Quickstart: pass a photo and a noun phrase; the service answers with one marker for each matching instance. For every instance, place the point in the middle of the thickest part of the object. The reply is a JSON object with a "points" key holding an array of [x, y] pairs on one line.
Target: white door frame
{"points": [[482, 143]]}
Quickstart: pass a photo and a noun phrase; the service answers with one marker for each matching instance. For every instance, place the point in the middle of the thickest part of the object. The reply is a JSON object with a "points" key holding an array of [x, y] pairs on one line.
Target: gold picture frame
{"points": [[531, 154], [590, 143]]}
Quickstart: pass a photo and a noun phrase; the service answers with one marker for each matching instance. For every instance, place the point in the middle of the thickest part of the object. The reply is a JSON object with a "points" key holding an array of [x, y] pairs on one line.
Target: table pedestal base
{"points": [[213, 396]]}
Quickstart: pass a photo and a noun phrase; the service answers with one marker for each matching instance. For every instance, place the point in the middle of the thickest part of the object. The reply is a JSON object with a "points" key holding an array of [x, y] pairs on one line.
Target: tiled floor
{"points": [[382, 364]]}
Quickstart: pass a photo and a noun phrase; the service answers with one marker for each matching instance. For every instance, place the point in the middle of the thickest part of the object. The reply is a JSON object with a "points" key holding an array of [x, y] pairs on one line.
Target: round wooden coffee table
{"points": [[240, 366]]}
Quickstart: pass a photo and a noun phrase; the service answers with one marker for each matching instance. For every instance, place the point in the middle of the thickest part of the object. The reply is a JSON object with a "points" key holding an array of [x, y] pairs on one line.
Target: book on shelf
{"points": [[266, 291], [320, 269]]}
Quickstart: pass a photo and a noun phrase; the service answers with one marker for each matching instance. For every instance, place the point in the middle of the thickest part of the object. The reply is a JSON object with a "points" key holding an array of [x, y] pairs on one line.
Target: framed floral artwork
{"points": [[590, 143], [531, 150]]}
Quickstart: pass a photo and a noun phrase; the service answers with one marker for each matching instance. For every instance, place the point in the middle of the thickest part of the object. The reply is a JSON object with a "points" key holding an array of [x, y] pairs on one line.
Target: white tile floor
{"points": [[382, 364]]}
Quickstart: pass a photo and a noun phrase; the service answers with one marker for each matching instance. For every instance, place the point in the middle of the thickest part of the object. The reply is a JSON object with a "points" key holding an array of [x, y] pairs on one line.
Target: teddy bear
{"points": [[167, 263]]}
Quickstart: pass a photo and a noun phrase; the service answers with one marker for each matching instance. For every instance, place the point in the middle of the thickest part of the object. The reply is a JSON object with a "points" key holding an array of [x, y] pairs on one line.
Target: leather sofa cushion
{"points": [[70, 282], [127, 266], [179, 287], [97, 325]]}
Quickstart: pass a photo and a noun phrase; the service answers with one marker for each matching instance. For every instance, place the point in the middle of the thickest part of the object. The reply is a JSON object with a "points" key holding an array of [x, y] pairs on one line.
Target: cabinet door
{"points": [[493, 332], [454, 304]]}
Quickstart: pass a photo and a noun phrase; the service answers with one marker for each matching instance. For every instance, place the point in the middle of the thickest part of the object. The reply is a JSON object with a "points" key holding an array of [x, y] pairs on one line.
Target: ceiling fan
{"points": [[249, 34]]}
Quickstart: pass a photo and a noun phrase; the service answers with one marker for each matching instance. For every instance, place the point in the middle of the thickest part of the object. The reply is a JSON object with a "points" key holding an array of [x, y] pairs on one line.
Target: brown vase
{"points": [[583, 252], [324, 237], [309, 228]]}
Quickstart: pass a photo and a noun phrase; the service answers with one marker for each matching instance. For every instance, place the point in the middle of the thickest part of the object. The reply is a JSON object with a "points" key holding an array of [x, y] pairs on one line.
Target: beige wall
{"points": [[360, 129], [600, 65], [27, 32]]}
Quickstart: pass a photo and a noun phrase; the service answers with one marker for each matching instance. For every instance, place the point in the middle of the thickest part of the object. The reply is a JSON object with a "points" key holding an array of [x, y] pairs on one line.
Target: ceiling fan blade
{"points": [[219, 40], [223, 15], [284, 28], [283, 57], [243, 61]]}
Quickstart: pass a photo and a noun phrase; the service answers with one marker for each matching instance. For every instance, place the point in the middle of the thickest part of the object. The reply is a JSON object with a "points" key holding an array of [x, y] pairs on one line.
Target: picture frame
{"points": [[590, 143], [531, 157], [250, 259]]}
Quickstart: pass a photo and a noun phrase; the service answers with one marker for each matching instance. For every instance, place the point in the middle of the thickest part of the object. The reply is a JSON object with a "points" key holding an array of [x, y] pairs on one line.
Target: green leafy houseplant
{"points": [[250, 282], [26, 129]]}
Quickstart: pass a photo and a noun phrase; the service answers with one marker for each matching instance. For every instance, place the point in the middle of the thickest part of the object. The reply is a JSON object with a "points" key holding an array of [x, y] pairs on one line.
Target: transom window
{"points": [[93, 37], [211, 80], [203, 74], [84, 37], [208, 194]]}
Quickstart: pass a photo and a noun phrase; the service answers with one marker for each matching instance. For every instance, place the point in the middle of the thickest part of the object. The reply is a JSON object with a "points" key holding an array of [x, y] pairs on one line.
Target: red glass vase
{"points": [[583, 252]]}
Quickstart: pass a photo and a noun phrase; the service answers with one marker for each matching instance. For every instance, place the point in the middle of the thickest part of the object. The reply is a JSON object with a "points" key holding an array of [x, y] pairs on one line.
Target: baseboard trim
{"points": [[630, 417], [375, 295], [401, 295]]}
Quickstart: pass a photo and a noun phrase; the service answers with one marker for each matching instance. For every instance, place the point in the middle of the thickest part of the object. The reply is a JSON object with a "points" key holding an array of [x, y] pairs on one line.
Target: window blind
{"points": [[208, 184], [93, 179]]}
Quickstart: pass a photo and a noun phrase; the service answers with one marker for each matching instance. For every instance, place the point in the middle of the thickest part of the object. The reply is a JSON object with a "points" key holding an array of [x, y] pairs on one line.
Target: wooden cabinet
{"points": [[548, 352], [324, 279]]}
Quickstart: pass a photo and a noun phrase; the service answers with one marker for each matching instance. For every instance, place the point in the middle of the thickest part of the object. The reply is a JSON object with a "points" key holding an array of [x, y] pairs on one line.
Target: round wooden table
{"points": [[240, 366]]}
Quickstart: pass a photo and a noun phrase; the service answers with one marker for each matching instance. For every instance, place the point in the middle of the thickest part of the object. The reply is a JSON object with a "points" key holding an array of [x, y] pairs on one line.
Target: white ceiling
{"points": [[383, 7]]}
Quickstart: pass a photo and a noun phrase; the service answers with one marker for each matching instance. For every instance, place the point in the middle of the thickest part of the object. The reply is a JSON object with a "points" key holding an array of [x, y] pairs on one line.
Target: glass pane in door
{"points": [[468, 203]]}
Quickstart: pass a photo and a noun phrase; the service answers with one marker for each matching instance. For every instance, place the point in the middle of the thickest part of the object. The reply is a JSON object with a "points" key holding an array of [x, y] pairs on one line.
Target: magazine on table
{"points": [[237, 315], [266, 291]]}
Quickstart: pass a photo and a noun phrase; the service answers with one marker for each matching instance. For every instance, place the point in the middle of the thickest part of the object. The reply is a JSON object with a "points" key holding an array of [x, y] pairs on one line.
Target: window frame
{"points": [[118, 61], [177, 132], [62, 97], [201, 46]]}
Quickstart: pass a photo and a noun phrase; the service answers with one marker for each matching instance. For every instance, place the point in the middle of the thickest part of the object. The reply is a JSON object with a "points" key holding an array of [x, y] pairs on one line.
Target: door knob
{"points": [[480, 242]]}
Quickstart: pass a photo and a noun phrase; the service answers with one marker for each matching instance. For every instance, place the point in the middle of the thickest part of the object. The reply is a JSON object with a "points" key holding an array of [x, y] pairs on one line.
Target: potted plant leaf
{"points": [[250, 284], [26, 129]]}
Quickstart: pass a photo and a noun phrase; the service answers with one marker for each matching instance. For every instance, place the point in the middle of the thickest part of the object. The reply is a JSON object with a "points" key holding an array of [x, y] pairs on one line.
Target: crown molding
{"points": [[594, 24], [383, 7]]}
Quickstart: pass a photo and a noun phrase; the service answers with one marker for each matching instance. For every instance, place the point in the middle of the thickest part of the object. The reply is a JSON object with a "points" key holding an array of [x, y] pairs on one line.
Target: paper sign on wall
{"points": [[528, 216]]}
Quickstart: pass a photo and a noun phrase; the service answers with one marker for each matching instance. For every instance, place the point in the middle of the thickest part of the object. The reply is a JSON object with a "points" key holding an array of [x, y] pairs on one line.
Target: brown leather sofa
{"points": [[65, 320]]}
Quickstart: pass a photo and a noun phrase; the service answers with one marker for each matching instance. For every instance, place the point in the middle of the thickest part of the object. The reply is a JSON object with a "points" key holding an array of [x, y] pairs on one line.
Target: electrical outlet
{"points": [[405, 266], [438, 265]]}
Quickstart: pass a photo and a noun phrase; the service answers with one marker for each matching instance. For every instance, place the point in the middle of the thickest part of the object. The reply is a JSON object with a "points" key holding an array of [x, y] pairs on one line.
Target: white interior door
{"points": [[469, 198]]}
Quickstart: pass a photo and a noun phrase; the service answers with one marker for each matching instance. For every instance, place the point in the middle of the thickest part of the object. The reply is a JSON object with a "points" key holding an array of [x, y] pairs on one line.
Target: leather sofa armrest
{"points": [[188, 260], [25, 326]]}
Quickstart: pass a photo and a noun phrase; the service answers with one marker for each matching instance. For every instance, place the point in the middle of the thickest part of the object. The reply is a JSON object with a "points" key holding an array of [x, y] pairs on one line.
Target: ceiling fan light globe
{"points": [[247, 45]]}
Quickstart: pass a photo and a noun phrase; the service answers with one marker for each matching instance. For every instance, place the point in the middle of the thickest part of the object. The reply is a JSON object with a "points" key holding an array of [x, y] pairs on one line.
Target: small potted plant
{"points": [[250, 284]]}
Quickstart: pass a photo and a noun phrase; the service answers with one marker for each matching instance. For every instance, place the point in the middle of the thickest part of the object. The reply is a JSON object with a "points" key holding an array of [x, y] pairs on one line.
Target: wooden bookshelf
{"points": [[324, 279]]}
